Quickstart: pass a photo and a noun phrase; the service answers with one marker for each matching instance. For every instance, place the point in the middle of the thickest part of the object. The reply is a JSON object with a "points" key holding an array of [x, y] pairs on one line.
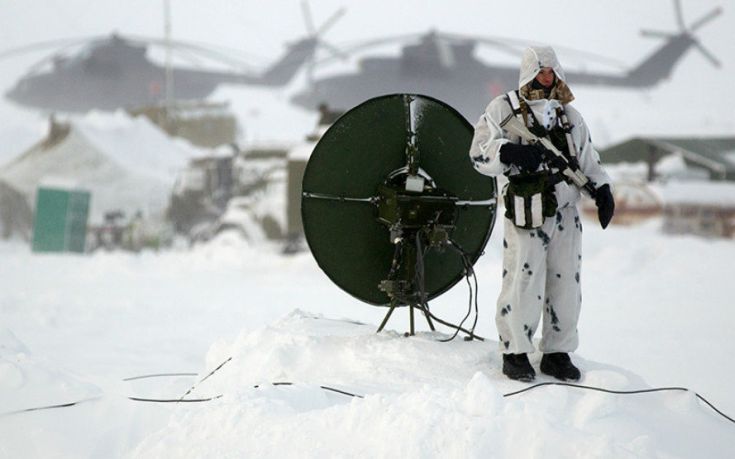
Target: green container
{"points": [[60, 223]]}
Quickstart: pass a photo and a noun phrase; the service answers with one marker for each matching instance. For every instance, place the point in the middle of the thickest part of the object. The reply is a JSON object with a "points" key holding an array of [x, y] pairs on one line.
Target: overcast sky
{"points": [[683, 105]]}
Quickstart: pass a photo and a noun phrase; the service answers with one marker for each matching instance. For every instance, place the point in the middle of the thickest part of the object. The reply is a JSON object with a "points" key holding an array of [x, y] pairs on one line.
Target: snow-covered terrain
{"points": [[657, 309], [657, 312]]}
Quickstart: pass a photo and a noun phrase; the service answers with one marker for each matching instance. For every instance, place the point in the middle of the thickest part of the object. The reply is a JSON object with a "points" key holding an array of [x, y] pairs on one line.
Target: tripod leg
{"points": [[387, 316]]}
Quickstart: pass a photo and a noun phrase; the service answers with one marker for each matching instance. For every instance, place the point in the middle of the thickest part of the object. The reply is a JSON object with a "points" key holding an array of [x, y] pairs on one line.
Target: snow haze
{"points": [[694, 101], [657, 309]]}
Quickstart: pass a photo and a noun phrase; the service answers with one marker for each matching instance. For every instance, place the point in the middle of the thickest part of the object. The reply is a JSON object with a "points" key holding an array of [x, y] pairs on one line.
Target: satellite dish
{"points": [[393, 211]]}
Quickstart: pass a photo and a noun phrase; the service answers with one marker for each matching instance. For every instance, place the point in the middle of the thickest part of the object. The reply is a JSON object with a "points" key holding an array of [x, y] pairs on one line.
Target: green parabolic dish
{"points": [[355, 156]]}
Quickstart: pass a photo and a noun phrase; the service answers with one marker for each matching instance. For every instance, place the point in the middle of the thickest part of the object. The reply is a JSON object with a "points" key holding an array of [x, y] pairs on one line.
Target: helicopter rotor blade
{"points": [[600, 59], [334, 51], [705, 19], [60, 43], [355, 47], [708, 55], [515, 47], [192, 58], [218, 54], [314, 35], [308, 21], [92, 41], [330, 22], [656, 34], [367, 44], [679, 15], [500, 44]]}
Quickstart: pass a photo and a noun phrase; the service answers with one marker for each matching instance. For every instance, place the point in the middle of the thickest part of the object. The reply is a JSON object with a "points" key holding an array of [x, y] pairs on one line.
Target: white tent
{"points": [[126, 163], [15, 213]]}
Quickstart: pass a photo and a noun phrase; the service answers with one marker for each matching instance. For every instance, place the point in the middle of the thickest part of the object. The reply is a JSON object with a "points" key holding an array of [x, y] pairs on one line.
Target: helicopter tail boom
{"points": [[285, 68], [660, 64]]}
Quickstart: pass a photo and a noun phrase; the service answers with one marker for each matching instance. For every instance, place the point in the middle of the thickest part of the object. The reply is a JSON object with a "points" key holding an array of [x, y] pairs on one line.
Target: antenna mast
{"points": [[169, 69]]}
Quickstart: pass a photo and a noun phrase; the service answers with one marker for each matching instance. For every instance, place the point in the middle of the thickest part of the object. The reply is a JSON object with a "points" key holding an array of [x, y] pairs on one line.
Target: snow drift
{"points": [[422, 398], [657, 312]]}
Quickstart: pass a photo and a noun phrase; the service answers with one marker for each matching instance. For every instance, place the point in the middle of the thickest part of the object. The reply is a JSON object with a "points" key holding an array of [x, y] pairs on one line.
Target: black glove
{"points": [[605, 205], [525, 157]]}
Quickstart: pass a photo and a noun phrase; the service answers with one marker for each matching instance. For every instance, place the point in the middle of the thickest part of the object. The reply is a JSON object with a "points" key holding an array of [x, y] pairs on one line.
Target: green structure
{"points": [[713, 154], [60, 223]]}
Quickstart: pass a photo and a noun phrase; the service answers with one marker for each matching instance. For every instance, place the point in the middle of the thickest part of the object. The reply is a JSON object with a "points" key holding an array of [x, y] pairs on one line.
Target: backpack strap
{"points": [[567, 127], [519, 107], [514, 101]]}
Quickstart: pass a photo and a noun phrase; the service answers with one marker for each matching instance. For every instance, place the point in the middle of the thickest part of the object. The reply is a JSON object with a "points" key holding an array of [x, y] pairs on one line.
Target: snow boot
{"points": [[560, 366], [517, 366]]}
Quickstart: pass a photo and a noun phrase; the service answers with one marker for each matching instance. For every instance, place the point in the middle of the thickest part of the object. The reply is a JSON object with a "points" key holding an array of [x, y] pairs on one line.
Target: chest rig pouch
{"points": [[529, 197]]}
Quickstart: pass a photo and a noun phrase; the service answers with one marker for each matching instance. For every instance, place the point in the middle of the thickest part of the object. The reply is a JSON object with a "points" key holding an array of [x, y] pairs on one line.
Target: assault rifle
{"points": [[549, 153]]}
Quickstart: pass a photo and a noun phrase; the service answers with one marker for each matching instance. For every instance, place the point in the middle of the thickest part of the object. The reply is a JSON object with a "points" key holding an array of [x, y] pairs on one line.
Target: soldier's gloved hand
{"points": [[605, 205], [525, 157]]}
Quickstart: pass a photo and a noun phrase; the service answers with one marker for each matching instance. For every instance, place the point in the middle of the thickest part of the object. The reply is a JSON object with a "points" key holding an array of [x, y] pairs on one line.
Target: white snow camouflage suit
{"points": [[541, 266]]}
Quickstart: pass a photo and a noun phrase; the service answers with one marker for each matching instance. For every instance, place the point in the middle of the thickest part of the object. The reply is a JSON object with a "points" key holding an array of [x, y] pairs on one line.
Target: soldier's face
{"points": [[545, 77]]}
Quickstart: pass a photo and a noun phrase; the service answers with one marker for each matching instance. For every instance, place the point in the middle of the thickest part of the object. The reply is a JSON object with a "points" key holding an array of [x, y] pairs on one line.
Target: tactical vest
{"points": [[560, 134], [530, 197]]}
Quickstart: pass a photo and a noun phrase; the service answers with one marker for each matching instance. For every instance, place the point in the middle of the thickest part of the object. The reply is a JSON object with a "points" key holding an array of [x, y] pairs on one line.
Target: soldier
{"points": [[542, 229]]}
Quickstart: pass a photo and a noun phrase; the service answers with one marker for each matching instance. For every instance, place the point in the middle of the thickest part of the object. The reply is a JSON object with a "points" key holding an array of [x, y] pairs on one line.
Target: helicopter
{"points": [[115, 71], [444, 66]]}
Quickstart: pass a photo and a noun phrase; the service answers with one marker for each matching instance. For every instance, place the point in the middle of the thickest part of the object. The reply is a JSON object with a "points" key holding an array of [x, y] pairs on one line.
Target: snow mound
{"points": [[422, 398]]}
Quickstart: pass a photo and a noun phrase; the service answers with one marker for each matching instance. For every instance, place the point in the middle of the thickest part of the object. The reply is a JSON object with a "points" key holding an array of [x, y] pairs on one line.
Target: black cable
{"points": [[332, 389], [510, 394], [203, 379], [49, 407], [158, 375], [621, 392], [350, 394], [469, 271], [469, 312], [477, 292], [341, 392], [579, 386], [419, 281], [174, 400], [451, 325]]}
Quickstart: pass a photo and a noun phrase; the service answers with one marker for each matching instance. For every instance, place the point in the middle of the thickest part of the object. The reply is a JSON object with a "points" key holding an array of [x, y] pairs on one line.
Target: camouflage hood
{"points": [[535, 58]]}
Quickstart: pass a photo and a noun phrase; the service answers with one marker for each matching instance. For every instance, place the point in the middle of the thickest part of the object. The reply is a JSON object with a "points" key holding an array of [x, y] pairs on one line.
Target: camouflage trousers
{"points": [[541, 277]]}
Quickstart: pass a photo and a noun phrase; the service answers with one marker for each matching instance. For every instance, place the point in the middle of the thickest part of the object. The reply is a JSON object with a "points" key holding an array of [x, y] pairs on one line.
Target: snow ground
{"points": [[657, 309], [657, 312]]}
